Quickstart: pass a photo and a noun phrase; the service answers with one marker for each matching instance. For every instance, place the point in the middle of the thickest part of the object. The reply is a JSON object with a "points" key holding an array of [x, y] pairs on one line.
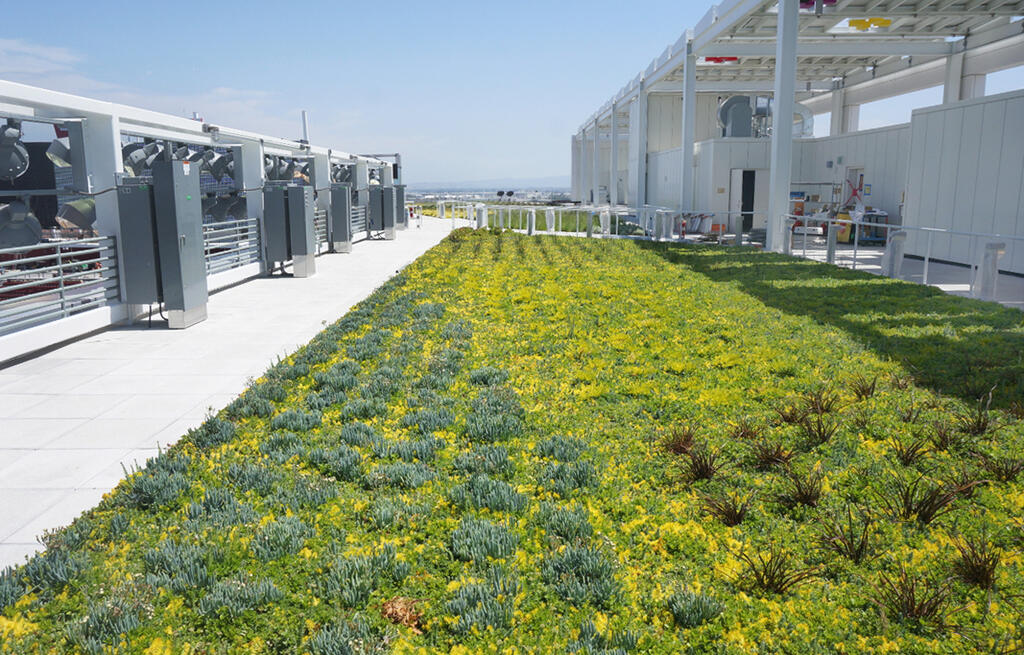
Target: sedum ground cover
{"points": [[544, 445]]}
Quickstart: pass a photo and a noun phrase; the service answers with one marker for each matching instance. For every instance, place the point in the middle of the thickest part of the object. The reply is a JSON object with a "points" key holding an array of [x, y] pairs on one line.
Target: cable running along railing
{"points": [[231, 244], [50, 281]]}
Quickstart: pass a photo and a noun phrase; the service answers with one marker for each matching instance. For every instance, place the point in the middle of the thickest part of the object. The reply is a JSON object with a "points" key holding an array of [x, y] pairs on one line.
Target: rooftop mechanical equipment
{"points": [[288, 224], [162, 242]]}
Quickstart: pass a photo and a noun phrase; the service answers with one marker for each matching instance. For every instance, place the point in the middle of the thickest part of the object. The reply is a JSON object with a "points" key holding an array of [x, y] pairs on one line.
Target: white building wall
{"points": [[575, 193], [716, 159], [664, 177], [884, 154], [664, 122], [967, 174], [604, 168], [622, 175], [635, 151]]}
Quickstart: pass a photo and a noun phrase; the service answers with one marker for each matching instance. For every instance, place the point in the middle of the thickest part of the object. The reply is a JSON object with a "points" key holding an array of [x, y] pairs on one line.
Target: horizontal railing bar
{"points": [[895, 226], [7, 328], [41, 281], [21, 274], [54, 244], [63, 254], [88, 288], [67, 305], [218, 224]]}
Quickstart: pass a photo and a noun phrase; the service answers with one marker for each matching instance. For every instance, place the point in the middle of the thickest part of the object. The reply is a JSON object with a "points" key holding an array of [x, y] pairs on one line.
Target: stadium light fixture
{"points": [[13, 155], [19, 226], [59, 152], [80, 213]]}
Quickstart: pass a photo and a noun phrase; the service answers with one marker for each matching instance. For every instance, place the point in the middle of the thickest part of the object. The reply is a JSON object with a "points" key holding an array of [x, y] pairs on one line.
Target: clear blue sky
{"points": [[465, 90]]}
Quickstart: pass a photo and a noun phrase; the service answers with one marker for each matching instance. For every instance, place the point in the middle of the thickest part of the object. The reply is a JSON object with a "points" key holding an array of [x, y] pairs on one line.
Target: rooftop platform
{"points": [[72, 418]]}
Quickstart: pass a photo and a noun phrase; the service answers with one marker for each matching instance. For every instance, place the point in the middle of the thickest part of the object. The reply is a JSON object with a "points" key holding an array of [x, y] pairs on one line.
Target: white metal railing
{"points": [[50, 281], [977, 241], [358, 217], [231, 244], [649, 221], [320, 226]]}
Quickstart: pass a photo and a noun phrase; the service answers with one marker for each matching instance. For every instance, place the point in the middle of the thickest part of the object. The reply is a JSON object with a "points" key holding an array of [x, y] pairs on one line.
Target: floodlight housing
{"points": [[217, 164], [286, 170], [59, 152], [187, 153], [81, 213], [138, 157], [219, 211], [19, 226], [13, 155]]}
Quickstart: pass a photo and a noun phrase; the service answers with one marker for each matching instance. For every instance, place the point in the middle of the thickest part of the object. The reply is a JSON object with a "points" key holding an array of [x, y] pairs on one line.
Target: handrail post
{"points": [[928, 256], [856, 243], [60, 282]]}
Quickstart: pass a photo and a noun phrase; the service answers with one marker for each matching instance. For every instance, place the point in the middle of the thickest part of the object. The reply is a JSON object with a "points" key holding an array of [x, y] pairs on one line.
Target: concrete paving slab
{"points": [[67, 508], [119, 433], [34, 432], [55, 468], [74, 405], [21, 506]]}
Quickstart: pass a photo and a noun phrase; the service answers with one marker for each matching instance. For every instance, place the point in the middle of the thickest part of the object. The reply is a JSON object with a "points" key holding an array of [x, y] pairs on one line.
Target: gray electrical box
{"points": [[401, 213], [375, 210], [388, 202], [162, 242], [179, 238], [275, 225], [302, 230], [341, 217], [141, 267], [288, 225]]}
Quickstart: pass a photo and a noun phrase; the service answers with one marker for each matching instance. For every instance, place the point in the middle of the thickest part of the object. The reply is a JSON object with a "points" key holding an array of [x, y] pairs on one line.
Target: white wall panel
{"points": [[883, 154], [967, 173], [664, 178], [664, 122]]}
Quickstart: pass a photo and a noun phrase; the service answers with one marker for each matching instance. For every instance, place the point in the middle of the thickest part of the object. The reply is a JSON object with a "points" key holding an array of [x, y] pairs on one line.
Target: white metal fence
{"points": [[50, 281], [231, 244], [649, 221], [808, 234], [320, 227]]}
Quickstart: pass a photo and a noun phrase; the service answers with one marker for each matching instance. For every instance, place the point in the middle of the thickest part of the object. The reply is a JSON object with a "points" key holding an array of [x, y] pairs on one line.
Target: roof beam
{"points": [[837, 47]]}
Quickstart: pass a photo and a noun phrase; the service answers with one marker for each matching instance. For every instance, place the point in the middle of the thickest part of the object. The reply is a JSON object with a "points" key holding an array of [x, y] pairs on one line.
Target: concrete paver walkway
{"points": [[71, 418]]}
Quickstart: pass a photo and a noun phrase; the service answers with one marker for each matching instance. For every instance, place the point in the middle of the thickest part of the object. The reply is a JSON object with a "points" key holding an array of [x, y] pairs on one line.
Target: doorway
{"points": [[742, 197]]}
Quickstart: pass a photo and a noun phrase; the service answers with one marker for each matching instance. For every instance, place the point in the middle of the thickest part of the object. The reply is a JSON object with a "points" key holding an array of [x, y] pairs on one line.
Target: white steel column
{"points": [[851, 118], [640, 181], [101, 136], [954, 73], [577, 168], [613, 175], [633, 155], [837, 123], [596, 176], [959, 86], [782, 131], [689, 128]]}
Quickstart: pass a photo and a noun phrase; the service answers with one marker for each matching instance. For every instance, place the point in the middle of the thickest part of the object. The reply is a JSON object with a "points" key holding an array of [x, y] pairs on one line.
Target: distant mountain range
{"points": [[556, 183]]}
